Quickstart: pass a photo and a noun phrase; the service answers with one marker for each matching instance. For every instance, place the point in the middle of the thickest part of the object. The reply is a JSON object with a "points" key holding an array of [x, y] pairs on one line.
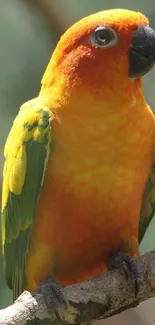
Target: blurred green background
{"points": [[29, 31]]}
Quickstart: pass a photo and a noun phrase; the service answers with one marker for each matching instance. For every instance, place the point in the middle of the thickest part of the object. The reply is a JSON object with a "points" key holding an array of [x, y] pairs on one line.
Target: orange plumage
{"points": [[103, 135], [101, 155]]}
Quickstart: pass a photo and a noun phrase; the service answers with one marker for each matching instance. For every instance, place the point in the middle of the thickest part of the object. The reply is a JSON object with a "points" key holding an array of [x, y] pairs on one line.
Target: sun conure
{"points": [[79, 174]]}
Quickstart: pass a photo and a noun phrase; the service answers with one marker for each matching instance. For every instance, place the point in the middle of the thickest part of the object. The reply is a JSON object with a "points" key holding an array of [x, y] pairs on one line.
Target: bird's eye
{"points": [[103, 37]]}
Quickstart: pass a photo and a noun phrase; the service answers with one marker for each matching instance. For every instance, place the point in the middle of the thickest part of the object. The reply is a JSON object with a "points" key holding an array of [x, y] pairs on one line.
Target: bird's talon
{"points": [[128, 265], [124, 270], [53, 296], [137, 285]]}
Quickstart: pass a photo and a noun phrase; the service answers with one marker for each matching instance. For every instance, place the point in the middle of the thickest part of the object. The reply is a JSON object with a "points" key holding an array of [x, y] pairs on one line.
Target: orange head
{"points": [[110, 47]]}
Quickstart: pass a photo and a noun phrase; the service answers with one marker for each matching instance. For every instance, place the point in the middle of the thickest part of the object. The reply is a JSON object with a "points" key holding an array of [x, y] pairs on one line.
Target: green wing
{"points": [[148, 205], [26, 151]]}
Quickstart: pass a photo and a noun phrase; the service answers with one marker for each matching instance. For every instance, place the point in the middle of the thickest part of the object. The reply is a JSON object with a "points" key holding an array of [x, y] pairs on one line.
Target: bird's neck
{"points": [[107, 99]]}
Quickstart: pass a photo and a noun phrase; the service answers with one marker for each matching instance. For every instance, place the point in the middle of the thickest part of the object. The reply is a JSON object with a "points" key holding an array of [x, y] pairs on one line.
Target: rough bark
{"points": [[98, 298]]}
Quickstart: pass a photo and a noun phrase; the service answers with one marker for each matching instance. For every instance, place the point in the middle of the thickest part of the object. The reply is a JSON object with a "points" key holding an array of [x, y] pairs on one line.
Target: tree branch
{"points": [[98, 298]]}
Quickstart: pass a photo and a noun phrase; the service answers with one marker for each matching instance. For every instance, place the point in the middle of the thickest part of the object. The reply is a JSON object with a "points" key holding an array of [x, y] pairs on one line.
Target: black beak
{"points": [[142, 52]]}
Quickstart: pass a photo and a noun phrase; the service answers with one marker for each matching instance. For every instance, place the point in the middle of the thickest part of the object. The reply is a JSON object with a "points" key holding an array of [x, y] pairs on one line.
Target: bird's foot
{"points": [[127, 265], [53, 296]]}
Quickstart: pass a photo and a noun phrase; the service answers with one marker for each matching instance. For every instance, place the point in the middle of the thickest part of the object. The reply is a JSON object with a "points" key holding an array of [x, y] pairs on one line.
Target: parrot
{"points": [[79, 173]]}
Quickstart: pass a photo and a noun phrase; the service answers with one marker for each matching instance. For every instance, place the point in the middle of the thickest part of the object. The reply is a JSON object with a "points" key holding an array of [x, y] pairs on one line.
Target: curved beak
{"points": [[142, 52]]}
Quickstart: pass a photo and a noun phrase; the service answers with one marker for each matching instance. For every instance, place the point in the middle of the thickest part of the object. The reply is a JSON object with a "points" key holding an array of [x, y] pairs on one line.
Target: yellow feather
{"points": [[18, 171]]}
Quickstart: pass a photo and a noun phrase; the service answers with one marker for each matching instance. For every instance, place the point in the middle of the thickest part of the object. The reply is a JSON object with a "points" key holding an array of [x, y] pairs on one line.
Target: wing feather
{"points": [[148, 205], [27, 150]]}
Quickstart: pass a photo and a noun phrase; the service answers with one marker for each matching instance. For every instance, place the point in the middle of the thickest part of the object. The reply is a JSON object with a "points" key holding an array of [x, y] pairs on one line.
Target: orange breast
{"points": [[91, 198], [74, 235]]}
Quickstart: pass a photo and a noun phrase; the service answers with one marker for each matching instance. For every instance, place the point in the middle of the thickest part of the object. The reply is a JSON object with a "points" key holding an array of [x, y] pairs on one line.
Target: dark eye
{"points": [[103, 37]]}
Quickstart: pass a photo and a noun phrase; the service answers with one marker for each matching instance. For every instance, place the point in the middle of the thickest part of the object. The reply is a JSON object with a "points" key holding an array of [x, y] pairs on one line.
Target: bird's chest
{"points": [[93, 201], [93, 168]]}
